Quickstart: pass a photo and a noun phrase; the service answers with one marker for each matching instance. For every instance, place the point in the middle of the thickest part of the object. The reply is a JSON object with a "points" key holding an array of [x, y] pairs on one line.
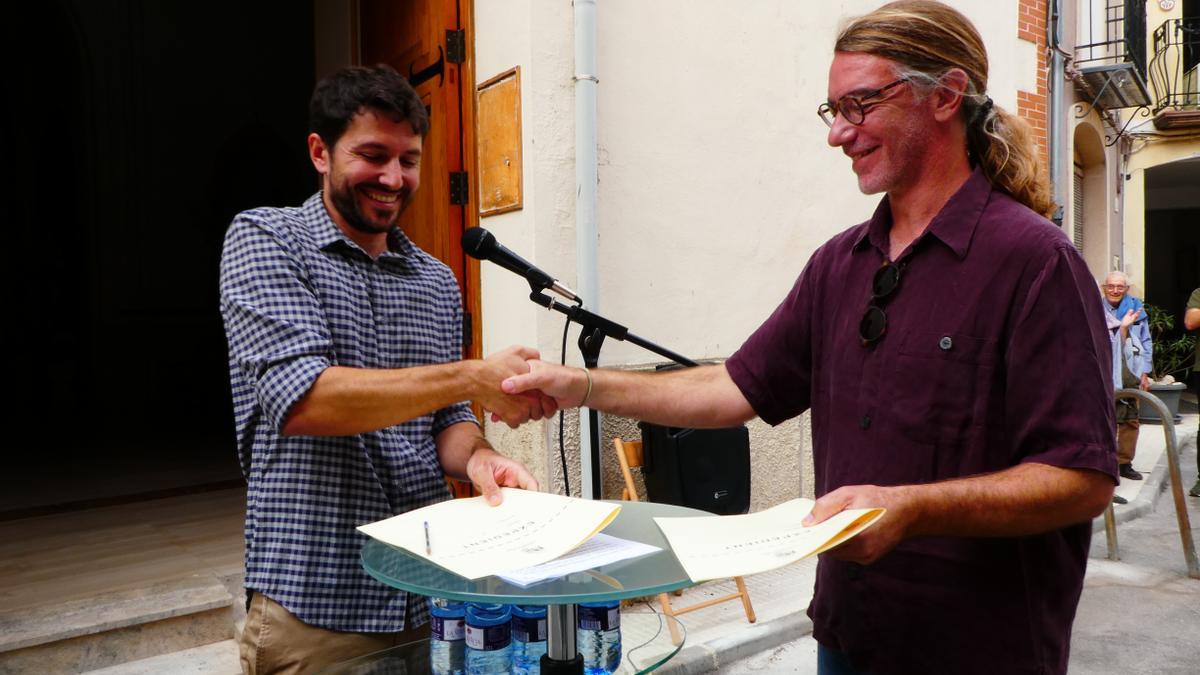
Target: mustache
{"points": [[402, 192]]}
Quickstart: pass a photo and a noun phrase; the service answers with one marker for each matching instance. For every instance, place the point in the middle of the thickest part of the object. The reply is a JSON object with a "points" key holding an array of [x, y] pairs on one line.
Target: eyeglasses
{"points": [[1115, 287], [874, 322], [853, 108]]}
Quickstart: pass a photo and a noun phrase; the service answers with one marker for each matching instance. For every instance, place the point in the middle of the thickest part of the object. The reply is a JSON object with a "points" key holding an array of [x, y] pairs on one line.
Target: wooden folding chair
{"points": [[629, 454]]}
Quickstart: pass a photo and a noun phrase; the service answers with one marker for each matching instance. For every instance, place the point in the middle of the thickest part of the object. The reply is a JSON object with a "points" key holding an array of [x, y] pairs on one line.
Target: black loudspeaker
{"points": [[707, 469]]}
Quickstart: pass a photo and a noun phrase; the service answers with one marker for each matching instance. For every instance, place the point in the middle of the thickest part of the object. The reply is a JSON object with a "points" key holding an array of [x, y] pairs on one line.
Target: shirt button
{"points": [[946, 343], [865, 422]]}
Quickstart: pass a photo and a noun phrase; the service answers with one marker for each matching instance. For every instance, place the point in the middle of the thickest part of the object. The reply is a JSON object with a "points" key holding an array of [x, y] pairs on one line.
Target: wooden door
{"points": [[431, 42]]}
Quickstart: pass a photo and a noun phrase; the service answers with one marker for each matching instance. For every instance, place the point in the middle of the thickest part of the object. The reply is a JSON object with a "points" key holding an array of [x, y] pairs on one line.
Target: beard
{"points": [[905, 149], [345, 200]]}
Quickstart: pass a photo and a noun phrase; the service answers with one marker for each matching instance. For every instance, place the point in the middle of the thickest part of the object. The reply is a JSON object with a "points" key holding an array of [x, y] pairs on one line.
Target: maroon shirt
{"points": [[995, 354]]}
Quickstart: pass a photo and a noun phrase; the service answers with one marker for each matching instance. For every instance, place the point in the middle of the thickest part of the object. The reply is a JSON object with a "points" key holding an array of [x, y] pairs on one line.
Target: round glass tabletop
{"points": [[647, 575]]}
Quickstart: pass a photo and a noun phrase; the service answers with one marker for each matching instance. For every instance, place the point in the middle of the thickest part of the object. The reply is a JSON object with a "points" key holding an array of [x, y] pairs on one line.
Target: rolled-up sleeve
{"points": [[278, 337], [452, 346]]}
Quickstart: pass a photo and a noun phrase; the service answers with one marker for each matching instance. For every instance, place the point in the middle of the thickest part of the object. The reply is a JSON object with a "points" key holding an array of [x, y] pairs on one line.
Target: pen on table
{"points": [[428, 550]]}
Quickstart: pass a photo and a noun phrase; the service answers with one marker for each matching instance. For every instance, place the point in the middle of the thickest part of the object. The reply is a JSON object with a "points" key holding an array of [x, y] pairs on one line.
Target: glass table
{"points": [[648, 575], [645, 645]]}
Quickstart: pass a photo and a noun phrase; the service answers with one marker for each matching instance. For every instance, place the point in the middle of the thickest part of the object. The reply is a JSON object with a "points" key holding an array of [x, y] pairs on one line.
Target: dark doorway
{"points": [[136, 130], [1172, 235]]}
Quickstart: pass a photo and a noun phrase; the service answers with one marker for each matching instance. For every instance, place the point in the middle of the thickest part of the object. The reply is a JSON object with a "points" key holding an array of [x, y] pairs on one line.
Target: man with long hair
{"points": [[953, 355]]}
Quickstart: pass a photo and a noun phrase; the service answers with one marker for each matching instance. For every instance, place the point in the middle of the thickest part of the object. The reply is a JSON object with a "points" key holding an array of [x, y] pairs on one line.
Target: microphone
{"points": [[481, 244]]}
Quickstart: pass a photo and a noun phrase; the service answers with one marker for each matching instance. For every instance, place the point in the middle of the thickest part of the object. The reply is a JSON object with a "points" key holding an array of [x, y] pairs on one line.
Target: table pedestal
{"points": [[562, 654]]}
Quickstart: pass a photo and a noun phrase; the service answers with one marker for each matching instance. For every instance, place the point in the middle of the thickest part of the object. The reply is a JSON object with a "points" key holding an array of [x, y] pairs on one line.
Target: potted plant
{"points": [[1173, 356]]}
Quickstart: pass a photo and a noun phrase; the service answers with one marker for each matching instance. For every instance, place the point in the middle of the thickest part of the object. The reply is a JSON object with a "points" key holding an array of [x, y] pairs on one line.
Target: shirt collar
{"points": [[329, 237], [954, 225]]}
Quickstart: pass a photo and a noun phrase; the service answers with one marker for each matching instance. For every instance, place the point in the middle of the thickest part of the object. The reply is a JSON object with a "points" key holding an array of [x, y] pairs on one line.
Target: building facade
{"points": [[713, 184]]}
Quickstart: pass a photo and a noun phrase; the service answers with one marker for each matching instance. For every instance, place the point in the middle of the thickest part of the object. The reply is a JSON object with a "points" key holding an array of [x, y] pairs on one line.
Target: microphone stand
{"points": [[594, 329], [560, 619]]}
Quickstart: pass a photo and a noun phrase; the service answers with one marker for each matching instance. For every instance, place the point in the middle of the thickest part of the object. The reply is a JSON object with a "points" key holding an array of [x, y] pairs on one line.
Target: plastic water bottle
{"points": [[488, 638], [446, 646], [599, 636], [528, 639]]}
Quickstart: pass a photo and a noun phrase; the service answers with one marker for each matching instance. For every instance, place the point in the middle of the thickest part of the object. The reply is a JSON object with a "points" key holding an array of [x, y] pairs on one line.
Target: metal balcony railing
{"points": [[1121, 38], [1174, 72], [1110, 65]]}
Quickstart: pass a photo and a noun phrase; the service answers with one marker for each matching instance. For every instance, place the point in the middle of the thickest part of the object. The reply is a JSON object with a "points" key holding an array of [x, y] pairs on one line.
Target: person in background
{"points": [[1123, 351], [1119, 303], [1191, 321]]}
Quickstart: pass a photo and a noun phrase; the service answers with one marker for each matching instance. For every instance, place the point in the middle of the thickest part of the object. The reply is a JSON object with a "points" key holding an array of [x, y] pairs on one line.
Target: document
{"points": [[718, 547], [601, 549], [474, 539]]}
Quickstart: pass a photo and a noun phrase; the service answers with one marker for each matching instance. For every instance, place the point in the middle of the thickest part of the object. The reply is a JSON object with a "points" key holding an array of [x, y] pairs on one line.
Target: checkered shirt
{"points": [[298, 296]]}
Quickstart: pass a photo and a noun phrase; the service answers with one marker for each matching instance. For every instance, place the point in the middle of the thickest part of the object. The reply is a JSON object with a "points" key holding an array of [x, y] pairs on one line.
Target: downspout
{"points": [[587, 237], [1056, 113]]}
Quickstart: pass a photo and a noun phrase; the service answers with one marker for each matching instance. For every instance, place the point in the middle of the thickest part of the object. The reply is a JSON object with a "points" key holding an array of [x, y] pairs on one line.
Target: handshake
{"points": [[515, 386]]}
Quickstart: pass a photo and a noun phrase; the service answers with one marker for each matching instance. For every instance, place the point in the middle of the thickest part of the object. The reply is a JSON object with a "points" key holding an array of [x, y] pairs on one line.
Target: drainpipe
{"points": [[587, 238], [1057, 112]]}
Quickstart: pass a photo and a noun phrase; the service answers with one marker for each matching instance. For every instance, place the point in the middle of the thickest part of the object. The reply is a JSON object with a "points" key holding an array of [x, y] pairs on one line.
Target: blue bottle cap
{"points": [[529, 611], [487, 614]]}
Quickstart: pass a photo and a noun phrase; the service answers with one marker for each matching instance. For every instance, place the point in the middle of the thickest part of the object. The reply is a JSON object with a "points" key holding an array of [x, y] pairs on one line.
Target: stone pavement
{"points": [[1137, 615]]}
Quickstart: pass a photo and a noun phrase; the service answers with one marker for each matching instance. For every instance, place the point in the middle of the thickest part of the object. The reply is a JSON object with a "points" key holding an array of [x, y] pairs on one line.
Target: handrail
{"points": [[1176, 479], [1173, 68]]}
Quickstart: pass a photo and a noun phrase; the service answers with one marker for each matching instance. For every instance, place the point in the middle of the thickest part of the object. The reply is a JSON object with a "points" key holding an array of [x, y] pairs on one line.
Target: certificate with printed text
{"points": [[474, 539], [717, 547]]}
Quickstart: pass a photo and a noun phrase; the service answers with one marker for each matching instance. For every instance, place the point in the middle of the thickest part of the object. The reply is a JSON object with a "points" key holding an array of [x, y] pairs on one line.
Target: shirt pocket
{"points": [[945, 385]]}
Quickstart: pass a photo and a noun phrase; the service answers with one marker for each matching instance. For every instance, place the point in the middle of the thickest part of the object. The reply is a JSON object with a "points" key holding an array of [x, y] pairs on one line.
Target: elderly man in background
{"points": [[1135, 371]]}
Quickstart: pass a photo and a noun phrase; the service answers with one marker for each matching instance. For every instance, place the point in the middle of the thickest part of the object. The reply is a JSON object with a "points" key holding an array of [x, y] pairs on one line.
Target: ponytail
{"points": [[1002, 145]]}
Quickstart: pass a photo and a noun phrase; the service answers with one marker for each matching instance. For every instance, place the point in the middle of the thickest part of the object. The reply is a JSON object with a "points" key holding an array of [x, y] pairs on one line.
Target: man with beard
{"points": [[952, 353], [350, 395]]}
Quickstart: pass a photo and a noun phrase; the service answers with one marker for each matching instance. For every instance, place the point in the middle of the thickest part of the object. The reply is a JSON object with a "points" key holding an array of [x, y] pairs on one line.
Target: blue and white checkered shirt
{"points": [[298, 296]]}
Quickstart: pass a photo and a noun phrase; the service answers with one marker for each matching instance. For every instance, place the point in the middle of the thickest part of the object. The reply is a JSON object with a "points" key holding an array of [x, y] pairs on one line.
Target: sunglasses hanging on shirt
{"points": [[874, 321]]}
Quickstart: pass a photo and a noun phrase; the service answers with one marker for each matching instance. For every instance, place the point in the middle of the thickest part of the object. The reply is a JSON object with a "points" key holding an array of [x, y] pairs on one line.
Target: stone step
{"points": [[116, 627], [219, 658]]}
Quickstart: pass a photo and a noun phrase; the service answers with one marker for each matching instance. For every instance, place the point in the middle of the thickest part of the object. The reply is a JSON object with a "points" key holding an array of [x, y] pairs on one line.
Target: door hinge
{"points": [[458, 188], [467, 330], [456, 46]]}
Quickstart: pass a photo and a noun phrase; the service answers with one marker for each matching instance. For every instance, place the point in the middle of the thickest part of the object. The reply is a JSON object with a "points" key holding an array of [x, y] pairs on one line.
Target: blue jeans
{"points": [[832, 662]]}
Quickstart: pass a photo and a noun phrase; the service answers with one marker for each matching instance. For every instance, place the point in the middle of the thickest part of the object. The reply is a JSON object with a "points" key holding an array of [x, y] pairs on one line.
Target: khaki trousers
{"points": [[275, 641], [1127, 431]]}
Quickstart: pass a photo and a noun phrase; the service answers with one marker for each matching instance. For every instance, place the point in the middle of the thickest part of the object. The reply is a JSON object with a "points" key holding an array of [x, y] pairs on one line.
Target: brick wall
{"points": [[1032, 105]]}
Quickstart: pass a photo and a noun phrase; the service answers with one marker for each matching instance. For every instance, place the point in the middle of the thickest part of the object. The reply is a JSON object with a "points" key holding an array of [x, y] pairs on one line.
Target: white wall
{"points": [[542, 231], [716, 182]]}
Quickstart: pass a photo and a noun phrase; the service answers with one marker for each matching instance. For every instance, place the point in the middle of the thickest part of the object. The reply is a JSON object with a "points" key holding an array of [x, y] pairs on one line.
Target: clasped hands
{"points": [[516, 386], [514, 408]]}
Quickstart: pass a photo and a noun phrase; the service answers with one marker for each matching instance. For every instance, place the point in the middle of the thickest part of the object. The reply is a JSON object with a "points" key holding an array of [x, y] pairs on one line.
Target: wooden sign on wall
{"points": [[500, 143]]}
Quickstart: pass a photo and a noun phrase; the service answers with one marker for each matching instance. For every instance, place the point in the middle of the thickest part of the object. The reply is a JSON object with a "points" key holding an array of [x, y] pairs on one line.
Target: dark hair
{"points": [[342, 95]]}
